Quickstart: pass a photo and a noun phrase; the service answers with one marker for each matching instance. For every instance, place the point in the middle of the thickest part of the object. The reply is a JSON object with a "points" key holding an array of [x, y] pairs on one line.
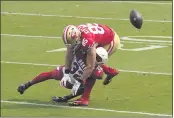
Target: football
{"points": [[68, 85], [136, 19]]}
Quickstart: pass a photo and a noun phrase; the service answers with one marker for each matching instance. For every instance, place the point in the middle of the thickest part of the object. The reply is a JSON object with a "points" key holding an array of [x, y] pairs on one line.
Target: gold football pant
{"points": [[114, 45]]}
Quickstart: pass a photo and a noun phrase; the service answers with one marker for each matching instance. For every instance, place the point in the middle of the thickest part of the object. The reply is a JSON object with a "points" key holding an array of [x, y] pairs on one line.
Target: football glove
{"points": [[78, 85], [65, 77]]}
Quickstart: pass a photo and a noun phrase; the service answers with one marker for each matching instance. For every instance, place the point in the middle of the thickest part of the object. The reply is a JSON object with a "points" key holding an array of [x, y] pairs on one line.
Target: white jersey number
{"points": [[84, 42], [94, 28], [76, 72]]}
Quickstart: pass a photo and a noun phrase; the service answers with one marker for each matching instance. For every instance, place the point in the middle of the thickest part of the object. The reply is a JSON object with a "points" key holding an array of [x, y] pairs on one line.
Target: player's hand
{"points": [[64, 80], [75, 88]]}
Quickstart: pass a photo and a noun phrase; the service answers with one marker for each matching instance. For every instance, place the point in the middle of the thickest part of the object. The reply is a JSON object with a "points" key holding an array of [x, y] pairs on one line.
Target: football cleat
{"points": [[21, 89], [79, 102], [60, 99], [107, 80]]}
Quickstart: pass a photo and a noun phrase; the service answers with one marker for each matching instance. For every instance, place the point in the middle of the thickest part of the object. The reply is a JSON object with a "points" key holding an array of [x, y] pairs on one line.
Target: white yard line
{"points": [[23, 63], [78, 17], [57, 50], [29, 36], [126, 38], [121, 70], [144, 40], [165, 37], [83, 108], [153, 43], [142, 2]]}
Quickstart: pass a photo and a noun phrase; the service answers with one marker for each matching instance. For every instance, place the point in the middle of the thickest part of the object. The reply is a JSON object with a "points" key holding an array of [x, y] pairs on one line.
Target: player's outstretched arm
{"points": [[91, 59], [90, 65], [68, 58], [66, 70]]}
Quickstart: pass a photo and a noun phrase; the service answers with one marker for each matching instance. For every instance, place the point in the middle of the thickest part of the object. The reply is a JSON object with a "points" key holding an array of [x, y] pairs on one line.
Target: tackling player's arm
{"points": [[66, 70], [68, 59], [90, 63], [88, 45]]}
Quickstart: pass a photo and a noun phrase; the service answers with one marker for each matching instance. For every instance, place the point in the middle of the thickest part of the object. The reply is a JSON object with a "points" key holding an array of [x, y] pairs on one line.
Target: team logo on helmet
{"points": [[71, 35], [102, 55]]}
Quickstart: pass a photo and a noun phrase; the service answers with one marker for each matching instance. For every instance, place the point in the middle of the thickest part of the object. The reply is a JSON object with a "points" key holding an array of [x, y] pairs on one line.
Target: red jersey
{"points": [[98, 34]]}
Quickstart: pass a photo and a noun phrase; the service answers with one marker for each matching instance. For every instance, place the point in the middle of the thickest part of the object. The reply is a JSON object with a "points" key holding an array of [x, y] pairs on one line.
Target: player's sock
{"points": [[109, 71], [88, 87], [40, 78]]}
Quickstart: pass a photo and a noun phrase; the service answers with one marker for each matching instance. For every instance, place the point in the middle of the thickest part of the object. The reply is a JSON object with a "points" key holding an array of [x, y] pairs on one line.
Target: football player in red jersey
{"points": [[89, 37], [89, 83], [77, 67]]}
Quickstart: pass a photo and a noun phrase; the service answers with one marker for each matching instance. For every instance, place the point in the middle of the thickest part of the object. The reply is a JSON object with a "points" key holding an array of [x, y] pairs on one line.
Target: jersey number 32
{"points": [[75, 71]]}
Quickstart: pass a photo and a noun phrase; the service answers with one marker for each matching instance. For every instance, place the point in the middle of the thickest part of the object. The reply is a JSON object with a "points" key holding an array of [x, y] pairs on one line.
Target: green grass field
{"points": [[143, 87]]}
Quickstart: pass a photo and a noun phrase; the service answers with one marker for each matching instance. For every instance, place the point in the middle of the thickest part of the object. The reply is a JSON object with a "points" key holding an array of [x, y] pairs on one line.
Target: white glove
{"points": [[75, 87], [64, 80]]}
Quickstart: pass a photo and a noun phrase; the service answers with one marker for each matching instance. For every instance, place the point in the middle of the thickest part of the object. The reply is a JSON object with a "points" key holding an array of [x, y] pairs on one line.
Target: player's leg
{"points": [[111, 49], [54, 74], [68, 97], [110, 72], [84, 99], [114, 45], [89, 84]]}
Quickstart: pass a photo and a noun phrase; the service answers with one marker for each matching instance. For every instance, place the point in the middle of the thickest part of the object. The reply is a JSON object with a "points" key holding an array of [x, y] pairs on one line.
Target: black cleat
{"points": [[81, 103], [60, 99], [21, 89], [107, 80]]}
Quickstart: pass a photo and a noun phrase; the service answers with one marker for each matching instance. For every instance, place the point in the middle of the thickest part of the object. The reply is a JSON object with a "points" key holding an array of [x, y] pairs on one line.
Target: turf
{"points": [[151, 93]]}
